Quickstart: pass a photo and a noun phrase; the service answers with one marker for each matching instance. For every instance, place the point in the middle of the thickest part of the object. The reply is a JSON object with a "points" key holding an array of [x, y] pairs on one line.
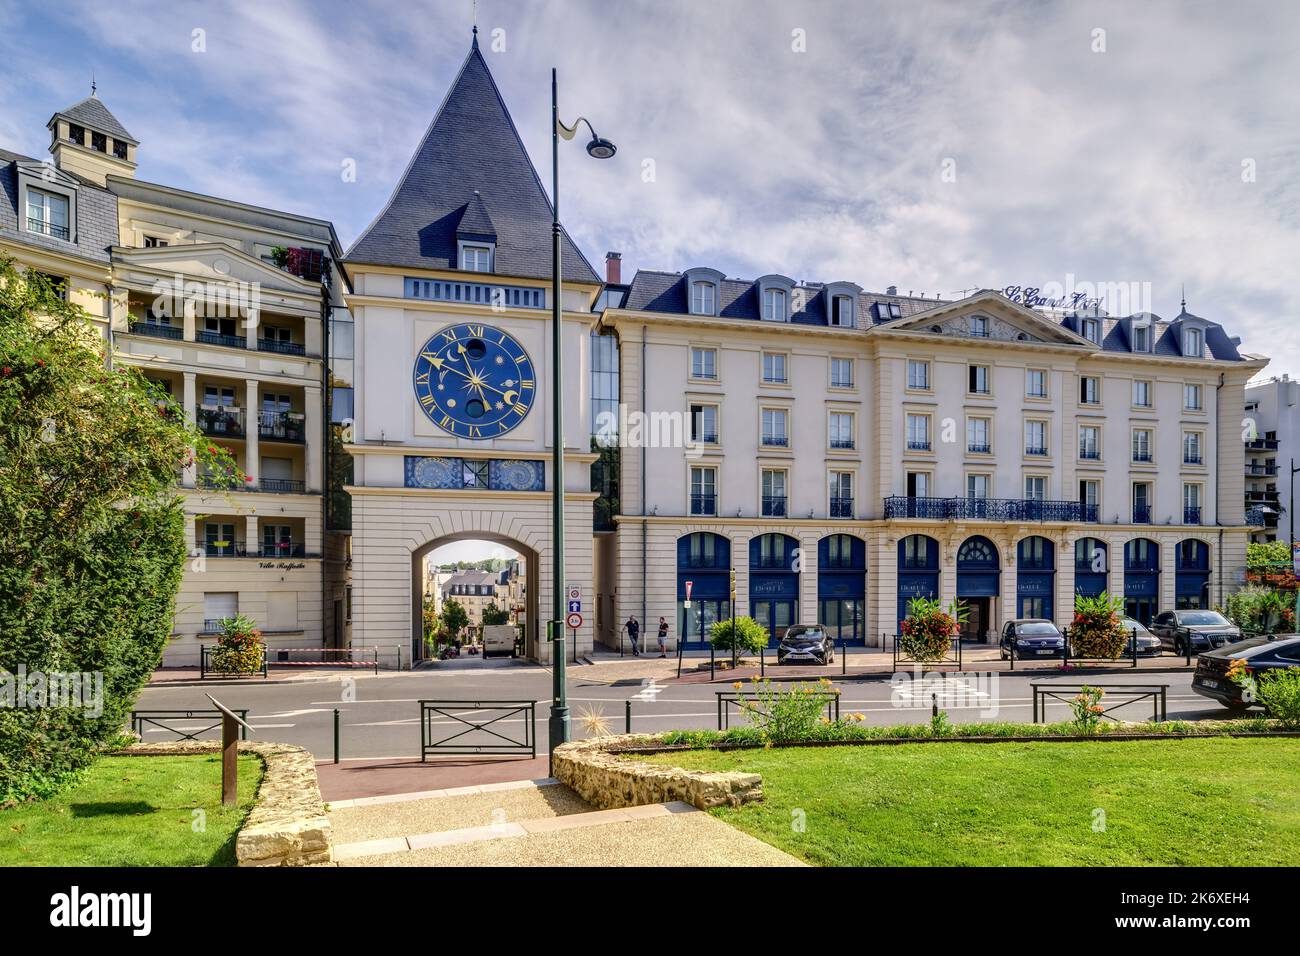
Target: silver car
{"points": [[1204, 629]]}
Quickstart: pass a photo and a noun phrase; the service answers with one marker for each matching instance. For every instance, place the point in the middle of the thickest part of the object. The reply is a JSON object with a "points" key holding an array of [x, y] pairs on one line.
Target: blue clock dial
{"points": [[474, 381]]}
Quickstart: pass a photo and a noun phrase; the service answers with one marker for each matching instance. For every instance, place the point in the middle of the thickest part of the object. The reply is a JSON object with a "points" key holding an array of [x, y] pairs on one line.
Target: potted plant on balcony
{"points": [[1096, 630], [929, 629], [239, 648]]}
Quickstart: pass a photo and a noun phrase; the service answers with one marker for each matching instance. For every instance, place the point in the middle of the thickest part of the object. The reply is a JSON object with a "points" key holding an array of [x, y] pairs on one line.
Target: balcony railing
{"points": [[978, 448], [281, 426], [157, 330], [1267, 497], [1038, 451], [1142, 457], [1089, 454], [284, 348], [915, 445], [704, 504], [841, 507], [1262, 444], [988, 509], [1141, 514], [47, 228], [1258, 517], [220, 420], [706, 438], [774, 506], [237, 549], [1256, 469], [776, 441], [217, 338], [291, 486], [842, 443], [1191, 514], [1192, 459]]}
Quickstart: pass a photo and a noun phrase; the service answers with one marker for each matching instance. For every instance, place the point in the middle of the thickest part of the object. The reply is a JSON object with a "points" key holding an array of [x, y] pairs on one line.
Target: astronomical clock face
{"points": [[474, 381]]}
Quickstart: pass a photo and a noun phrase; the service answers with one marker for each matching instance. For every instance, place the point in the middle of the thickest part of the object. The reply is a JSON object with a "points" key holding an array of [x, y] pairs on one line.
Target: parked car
{"points": [[1261, 654], [1028, 638], [1148, 645], [806, 643], [1206, 629]]}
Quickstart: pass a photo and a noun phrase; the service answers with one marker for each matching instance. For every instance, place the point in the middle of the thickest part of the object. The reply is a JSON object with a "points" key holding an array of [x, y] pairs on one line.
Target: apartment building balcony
{"points": [[988, 509], [1191, 515], [1262, 497], [976, 448], [1266, 470], [776, 441], [284, 348], [158, 330], [774, 506], [1189, 459], [218, 338], [841, 507], [704, 504], [238, 549], [913, 445], [1142, 458], [1261, 517], [47, 228], [1036, 451], [1089, 454], [282, 426], [220, 420], [843, 444], [283, 486], [1262, 444], [1141, 514]]}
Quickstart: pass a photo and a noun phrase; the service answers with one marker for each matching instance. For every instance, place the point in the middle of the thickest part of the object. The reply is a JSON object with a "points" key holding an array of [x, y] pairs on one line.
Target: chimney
{"points": [[614, 268], [892, 290]]}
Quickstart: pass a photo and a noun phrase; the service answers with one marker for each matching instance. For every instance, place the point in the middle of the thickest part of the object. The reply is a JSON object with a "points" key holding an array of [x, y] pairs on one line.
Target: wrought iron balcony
{"points": [[47, 228], [988, 509], [704, 504], [1141, 514], [1142, 457], [281, 426], [1038, 451], [221, 420], [158, 330], [1191, 515], [1192, 459], [1266, 497], [1262, 444], [216, 338], [1089, 454], [291, 486], [841, 507], [225, 549], [776, 441], [843, 443], [774, 506], [706, 438], [979, 448], [1253, 468], [913, 445], [284, 348]]}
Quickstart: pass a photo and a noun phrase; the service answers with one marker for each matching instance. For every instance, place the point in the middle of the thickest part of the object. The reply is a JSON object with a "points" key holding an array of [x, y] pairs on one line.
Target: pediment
{"points": [[215, 262], [1005, 321]]}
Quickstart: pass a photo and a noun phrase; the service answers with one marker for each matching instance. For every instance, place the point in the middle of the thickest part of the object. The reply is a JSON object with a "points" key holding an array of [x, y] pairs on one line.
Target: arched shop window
{"points": [[703, 561], [842, 587]]}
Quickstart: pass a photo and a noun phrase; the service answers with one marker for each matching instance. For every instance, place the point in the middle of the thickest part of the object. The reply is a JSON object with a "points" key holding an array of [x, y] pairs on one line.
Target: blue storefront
{"points": [[773, 583], [1142, 580], [918, 570], [703, 559], [978, 585], [842, 587], [1035, 577], [1091, 567], [1192, 575]]}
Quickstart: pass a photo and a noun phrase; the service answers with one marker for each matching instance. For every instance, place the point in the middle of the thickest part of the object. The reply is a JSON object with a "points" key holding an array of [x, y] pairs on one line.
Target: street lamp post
{"points": [[599, 149]]}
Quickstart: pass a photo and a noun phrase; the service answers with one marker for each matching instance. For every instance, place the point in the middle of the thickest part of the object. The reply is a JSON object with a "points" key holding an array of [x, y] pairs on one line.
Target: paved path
{"points": [[535, 823]]}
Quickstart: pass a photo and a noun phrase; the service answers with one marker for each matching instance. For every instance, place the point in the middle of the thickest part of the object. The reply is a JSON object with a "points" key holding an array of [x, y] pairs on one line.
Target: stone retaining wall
{"points": [[596, 773], [287, 825]]}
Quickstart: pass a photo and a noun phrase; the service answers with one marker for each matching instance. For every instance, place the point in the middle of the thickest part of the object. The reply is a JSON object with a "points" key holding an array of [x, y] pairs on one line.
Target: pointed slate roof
{"points": [[475, 223], [93, 114], [471, 147]]}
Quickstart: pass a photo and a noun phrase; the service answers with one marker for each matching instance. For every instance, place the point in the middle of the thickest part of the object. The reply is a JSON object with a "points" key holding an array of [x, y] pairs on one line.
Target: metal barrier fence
{"points": [[162, 718], [344, 657], [492, 735], [205, 669], [729, 699], [953, 657], [1158, 694]]}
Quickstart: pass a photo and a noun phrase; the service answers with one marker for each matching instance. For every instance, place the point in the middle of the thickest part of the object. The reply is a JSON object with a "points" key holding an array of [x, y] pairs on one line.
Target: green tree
{"points": [[745, 632], [92, 541], [495, 615], [454, 617]]}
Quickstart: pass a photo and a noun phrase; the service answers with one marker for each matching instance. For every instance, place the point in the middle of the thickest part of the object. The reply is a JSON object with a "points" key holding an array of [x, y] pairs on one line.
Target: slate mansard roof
{"points": [[96, 226], [93, 114], [667, 292], [471, 178]]}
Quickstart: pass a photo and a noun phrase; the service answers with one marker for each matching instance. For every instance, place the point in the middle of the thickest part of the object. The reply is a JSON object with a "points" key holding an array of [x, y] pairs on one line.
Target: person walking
{"points": [[633, 632], [663, 637]]}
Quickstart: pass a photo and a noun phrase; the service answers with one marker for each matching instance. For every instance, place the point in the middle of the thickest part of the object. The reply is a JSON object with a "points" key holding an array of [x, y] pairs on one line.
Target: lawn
{"points": [[133, 811], [1215, 802]]}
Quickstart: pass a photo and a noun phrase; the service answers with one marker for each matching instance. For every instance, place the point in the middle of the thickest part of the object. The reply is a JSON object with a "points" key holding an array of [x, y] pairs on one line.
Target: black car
{"points": [[1260, 654], [1205, 629], [806, 644], [1148, 645], [1029, 638]]}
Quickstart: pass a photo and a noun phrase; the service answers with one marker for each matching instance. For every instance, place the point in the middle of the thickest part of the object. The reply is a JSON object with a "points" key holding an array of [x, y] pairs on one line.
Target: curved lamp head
{"points": [[600, 148]]}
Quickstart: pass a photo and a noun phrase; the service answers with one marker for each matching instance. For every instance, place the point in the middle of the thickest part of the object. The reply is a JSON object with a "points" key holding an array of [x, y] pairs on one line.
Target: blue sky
{"points": [[809, 139]]}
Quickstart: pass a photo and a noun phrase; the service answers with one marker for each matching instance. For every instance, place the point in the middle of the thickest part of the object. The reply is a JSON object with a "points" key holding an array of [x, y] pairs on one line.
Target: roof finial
{"points": [[475, 42], [1184, 288], [92, 83]]}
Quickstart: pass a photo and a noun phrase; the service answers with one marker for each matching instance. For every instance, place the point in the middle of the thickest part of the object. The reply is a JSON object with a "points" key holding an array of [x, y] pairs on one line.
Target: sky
{"points": [[937, 147]]}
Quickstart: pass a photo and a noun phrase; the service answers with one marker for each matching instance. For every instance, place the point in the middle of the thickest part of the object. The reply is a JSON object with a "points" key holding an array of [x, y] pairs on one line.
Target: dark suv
{"points": [[806, 643], [1205, 630], [1261, 654], [1029, 638]]}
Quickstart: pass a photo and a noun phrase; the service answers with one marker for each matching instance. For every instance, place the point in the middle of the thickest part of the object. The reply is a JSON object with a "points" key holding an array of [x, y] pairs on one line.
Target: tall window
{"points": [[1035, 488], [47, 213], [703, 299], [1191, 448], [1193, 343], [774, 500], [918, 432], [977, 486], [1191, 503], [977, 435], [1089, 390], [918, 484], [841, 373], [1141, 502], [841, 430], [1192, 398], [775, 427], [841, 494], [841, 310], [1141, 338], [1089, 442], [1035, 383], [476, 258], [704, 424], [1035, 438], [978, 379], [1092, 330], [774, 305], [1090, 492], [1142, 394], [704, 491], [918, 374], [704, 363], [774, 368], [604, 384], [1142, 444]]}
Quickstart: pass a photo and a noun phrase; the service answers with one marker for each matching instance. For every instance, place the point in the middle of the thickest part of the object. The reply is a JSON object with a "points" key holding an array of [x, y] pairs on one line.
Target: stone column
{"points": [[190, 406], [252, 460], [251, 325], [312, 457], [188, 323], [251, 540]]}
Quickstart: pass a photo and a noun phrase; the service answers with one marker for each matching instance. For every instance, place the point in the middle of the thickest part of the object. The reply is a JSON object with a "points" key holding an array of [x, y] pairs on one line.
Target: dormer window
{"points": [[703, 298], [888, 310], [1141, 338], [774, 305], [47, 213], [1091, 330], [979, 326], [1193, 343], [842, 310], [475, 258]]}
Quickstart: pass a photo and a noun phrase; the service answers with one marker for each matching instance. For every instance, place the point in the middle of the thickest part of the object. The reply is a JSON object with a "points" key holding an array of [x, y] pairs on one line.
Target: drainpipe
{"points": [[644, 546], [1218, 519]]}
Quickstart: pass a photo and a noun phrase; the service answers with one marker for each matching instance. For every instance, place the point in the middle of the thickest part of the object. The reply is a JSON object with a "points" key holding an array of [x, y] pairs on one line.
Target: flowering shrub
{"points": [[1087, 709], [1096, 630], [239, 648], [782, 715], [1278, 690], [928, 629]]}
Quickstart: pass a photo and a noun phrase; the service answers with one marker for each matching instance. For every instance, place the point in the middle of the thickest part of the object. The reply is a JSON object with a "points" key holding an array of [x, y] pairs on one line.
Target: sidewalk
{"points": [[353, 779]]}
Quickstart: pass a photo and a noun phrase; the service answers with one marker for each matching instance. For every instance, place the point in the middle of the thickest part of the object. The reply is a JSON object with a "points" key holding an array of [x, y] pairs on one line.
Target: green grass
{"points": [[133, 811], [1205, 802]]}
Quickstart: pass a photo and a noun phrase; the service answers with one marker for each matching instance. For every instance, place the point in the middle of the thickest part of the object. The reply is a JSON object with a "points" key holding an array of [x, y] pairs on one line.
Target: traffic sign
{"points": [[575, 592], [575, 607], [688, 589], [574, 621]]}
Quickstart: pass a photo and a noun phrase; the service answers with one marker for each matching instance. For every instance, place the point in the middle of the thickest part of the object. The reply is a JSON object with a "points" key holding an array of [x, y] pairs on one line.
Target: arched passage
{"points": [[773, 583], [842, 587], [978, 585], [704, 560], [1035, 577], [1142, 580], [1192, 574], [918, 570], [530, 616]]}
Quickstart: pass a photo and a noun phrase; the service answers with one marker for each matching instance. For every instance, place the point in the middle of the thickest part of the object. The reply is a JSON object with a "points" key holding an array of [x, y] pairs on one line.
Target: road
{"points": [[379, 716]]}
